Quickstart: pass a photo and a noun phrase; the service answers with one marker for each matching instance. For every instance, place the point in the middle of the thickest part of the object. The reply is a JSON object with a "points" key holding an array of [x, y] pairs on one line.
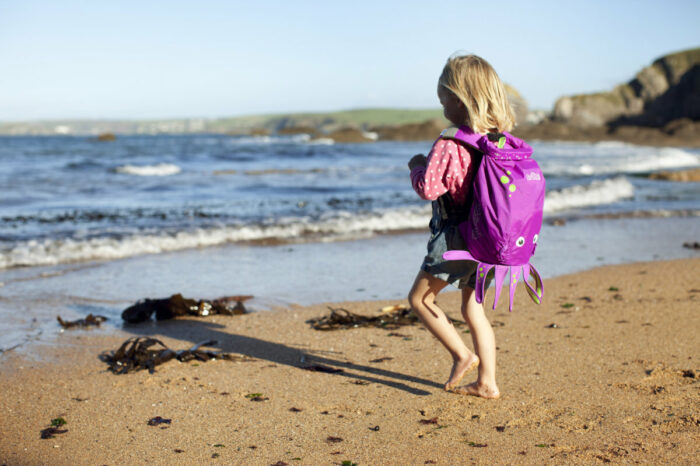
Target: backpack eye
{"points": [[520, 242], [535, 238]]}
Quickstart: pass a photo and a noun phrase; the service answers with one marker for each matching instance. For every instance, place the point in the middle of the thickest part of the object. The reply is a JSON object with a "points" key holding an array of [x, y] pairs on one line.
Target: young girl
{"points": [[471, 94]]}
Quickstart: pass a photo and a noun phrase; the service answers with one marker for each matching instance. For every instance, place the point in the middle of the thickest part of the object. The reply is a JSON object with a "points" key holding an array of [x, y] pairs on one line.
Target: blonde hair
{"points": [[477, 85]]}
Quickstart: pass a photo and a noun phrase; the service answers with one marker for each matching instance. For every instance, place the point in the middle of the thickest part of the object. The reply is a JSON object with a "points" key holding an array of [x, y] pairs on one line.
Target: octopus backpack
{"points": [[505, 217]]}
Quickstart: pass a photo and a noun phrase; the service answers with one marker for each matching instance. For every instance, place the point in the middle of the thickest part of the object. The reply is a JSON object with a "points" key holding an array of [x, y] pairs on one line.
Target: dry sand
{"points": [[616, 380]]}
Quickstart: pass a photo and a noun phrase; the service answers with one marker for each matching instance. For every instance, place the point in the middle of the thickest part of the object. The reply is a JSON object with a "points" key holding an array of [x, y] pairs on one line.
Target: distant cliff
{"points": [[668, 89]]}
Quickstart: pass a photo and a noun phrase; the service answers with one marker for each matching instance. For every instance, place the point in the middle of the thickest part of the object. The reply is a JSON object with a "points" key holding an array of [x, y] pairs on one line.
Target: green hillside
{"points": [[359, 118]]}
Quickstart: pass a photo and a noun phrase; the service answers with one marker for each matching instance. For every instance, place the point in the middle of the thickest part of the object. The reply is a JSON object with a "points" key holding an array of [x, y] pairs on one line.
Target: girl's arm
{"points": [[432, 181]]}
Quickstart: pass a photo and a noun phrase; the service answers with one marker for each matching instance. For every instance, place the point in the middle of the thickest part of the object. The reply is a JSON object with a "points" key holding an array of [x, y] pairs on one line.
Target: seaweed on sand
{"points": [[138, 353], [54, 428], [158, 420], [90, 320], [391, 318], [176, 305]]}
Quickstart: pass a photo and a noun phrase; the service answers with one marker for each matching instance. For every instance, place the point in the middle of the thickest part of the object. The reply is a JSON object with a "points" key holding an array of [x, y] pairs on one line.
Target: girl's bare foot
{"points": [[476, 389], [460, 368]]}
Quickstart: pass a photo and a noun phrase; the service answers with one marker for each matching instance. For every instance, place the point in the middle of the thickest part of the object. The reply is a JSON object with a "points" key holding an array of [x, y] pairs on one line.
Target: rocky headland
{"points": [[659, 106]]}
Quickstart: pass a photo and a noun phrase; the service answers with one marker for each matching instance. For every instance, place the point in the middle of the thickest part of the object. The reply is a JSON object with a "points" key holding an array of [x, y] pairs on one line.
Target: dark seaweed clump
{"points": [[340, 318], [89, 321], [177, 306], [139, 353], [54, 428]]}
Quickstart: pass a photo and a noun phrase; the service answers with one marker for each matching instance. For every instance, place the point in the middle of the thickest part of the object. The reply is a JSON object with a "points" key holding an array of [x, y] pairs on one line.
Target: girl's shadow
{"points": [[195, 330]]}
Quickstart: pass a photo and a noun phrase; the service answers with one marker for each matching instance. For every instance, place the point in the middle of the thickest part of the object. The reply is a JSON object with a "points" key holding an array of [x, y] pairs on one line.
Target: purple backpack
{"points": [[505, 217]]}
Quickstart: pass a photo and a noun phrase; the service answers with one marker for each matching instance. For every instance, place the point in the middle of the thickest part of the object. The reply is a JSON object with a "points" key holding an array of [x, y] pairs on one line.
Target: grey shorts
{"points": [[445, 236]]}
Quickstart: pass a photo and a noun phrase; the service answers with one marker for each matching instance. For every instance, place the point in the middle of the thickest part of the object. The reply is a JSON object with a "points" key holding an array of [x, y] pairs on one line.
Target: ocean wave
{"points": [[596, 193], [301, 138], [612, 158], [331, 226], [322, 142], [161, 169]]}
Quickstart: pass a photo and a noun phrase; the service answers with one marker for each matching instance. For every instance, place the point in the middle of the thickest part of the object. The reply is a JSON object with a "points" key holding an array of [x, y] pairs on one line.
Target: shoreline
{"points": [[614, 380], [425, 132], [304, 273]]}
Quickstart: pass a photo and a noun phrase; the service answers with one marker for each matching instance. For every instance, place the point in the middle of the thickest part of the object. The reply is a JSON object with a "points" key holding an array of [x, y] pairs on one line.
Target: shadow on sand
{"points": [[196, 330]]}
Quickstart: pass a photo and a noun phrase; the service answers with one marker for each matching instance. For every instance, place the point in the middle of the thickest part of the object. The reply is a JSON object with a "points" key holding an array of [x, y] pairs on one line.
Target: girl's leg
{"points": [[484, 345], [422, 301]]}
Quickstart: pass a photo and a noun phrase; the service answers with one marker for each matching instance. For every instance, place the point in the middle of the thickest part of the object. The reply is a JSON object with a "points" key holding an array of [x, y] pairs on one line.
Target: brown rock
{"points": [[518, 104], [589, 110], [106, 137], [348, 135], [668, 89], [683, 127], [259, 132], [639, 135], [300, 130], [692, 175], [684, 133], [425, 131], [548, 130]]}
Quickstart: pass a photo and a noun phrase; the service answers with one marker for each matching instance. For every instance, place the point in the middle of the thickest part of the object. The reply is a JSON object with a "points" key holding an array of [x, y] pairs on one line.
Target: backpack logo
{"points": [[533, 176]]}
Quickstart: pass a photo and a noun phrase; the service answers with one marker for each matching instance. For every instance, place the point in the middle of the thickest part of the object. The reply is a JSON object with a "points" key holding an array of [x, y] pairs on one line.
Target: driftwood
{"points": [[139, 353]]}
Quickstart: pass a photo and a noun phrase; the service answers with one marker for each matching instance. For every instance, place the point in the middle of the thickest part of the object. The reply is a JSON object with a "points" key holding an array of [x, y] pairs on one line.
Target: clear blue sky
{"points": [[161, 59]]}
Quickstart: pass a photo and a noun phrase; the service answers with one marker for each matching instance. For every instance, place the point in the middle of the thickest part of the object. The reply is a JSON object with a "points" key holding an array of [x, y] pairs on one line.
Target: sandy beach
{"points": [[605, 370]]}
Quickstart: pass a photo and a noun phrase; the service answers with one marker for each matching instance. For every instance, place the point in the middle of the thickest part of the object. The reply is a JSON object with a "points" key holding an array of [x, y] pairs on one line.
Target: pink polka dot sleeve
{"points": [[448, 170]]}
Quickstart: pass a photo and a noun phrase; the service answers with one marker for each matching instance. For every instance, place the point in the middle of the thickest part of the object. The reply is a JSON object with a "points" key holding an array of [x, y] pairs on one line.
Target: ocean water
{"points": [[89, 226], [70, 199]]}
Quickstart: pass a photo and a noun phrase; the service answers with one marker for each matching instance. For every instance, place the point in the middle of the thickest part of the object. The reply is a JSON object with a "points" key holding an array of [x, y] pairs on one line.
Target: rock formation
{"points": [[311, 131], [349, 135], [106, 137], [518, 103], [413, 131], [691, 175], [666, 90]]}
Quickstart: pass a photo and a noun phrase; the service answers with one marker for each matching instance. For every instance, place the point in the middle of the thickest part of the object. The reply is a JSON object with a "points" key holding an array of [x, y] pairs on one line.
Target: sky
{"points": [[212, 59]]}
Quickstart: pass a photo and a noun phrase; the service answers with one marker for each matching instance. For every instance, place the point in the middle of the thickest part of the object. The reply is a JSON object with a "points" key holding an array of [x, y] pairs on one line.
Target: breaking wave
{"points": [[339, 225], [596, 193], [331, 226], [613, 158], [161, 169]]}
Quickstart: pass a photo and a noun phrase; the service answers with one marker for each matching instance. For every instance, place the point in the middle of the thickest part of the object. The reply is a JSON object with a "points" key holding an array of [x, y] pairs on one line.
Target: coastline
{"points": [[614, 380], [284, 275]]}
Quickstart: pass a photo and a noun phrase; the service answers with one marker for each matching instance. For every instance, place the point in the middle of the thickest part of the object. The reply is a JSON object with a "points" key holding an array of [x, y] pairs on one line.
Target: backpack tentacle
{"points": [[514, 277], [482, 271], [458, 255], [499, 278], [536, 292]]}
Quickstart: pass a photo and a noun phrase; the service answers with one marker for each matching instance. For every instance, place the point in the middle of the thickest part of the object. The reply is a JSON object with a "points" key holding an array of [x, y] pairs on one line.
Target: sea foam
{"points": [[329, 226], [161, 169], [596, 193], [336, 226], [611, 158]]}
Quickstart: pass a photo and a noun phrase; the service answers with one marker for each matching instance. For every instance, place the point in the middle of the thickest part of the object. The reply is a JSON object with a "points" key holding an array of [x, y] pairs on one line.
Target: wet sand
{"points": [[614, 379], [278, 276]]}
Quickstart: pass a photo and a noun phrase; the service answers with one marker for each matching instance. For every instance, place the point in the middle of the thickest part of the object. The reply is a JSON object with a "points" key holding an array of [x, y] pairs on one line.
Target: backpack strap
{"points": [[470, 140], [464, 134]]}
